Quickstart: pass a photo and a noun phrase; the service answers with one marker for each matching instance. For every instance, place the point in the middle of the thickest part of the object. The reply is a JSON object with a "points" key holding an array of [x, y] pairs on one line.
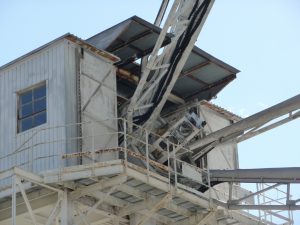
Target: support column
{"points": [[136, 218], [67, 209], [13, 200]]}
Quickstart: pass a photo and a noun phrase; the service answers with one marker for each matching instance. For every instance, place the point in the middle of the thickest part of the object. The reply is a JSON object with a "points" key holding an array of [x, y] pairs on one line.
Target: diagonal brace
{"points": [[32, 216], [156, 207]]}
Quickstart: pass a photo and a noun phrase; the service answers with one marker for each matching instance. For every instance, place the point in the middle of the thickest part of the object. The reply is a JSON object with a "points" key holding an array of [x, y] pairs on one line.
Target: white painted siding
{"points": [[223, 156], [45, 65], [99, 106], [41, 148]]}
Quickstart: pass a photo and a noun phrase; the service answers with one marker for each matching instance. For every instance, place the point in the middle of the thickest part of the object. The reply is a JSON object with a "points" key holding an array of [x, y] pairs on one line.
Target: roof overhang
{"points": [[70, 37], [203, 76]]}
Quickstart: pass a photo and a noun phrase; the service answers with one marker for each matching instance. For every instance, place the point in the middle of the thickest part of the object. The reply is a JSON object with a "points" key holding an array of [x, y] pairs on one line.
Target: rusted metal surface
{"points": [[219, 83], [92, 48], [120, 149]]}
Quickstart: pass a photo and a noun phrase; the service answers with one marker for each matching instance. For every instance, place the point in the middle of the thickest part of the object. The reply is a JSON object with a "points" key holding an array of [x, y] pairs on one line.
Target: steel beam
{"points": [[155, 208], [98, 186], [33, 178], [179, 66], [250, 122], [30, 211], [85, 202], [36, 202], [236, 201], [265, 175], [177, 22], [106, 195], [251, 134], [14, 201], [67, 207], [196, 198], [54, 213], [261, 207]]}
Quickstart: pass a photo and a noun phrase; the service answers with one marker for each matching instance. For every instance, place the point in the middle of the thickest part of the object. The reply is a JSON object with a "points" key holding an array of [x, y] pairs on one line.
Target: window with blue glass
{"points": [[32, 108]]}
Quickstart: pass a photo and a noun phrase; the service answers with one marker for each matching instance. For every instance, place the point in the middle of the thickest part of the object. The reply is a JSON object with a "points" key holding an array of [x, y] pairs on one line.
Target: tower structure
{"points": [[118, 129]]}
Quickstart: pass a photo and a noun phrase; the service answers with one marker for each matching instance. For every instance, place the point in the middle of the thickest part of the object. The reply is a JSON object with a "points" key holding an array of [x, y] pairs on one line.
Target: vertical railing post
{"points": [[61, 151], [288, 193], [147, 153], [175, 165], [209, 188], [258, 201], [13, 200], [125, 142], [169, 168], [230, 192], [31, 153], [262, 186], [93, 143]]}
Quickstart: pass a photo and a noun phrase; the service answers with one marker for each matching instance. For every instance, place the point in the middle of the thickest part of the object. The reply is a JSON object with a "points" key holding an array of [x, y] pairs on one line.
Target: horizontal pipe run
{"points": [[258, 207], [255, 120], [265, 175]]}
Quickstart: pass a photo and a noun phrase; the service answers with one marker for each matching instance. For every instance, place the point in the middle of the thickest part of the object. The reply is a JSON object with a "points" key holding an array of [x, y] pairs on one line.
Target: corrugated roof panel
{"points": [[186, 86], [146, 42], [104, 39], [211, 73], [125, 53], [202, 77], [193, 60], [133, 30]]}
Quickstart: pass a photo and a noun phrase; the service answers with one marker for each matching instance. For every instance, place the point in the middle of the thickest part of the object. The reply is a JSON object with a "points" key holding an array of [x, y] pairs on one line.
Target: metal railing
{"points": [[58, 147]]}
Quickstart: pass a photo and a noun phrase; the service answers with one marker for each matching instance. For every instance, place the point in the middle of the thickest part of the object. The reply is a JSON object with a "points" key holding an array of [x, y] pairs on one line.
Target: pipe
{"points": [[263, 175], [257, 119]]}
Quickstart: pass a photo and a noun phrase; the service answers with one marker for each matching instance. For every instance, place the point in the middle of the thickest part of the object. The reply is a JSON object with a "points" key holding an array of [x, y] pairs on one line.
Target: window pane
{"points": [[25, 110], [39, 92], [26, 124], [26, 97], [40, 105], [40, 118], [32, 108]]}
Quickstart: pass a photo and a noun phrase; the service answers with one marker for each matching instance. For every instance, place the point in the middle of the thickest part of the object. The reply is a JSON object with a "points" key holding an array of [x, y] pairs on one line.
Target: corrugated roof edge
{"points": [[92, 48], [69, 37], [229, 115], [136, 19], [213, 59], [196, 49]]}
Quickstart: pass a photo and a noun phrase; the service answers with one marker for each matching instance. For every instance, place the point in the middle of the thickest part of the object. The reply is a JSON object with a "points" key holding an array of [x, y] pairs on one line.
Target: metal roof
{"points": [[130, 39], [202, 77], [71, 38]]}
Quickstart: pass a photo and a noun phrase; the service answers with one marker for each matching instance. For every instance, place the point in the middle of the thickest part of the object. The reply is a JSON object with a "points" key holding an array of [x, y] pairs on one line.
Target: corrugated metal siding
{"points": [[71, 97], [47, 65], [98, 94]]}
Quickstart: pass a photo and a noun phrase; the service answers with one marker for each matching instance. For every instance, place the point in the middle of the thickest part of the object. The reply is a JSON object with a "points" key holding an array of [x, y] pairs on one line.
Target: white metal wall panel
{"points": [[45, 65], [99, 105], [223, 156], [71, 99], [41, 148]]}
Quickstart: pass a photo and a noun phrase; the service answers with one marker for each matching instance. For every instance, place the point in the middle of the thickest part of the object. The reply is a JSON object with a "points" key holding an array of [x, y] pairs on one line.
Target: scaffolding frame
{"points": [[75, 201]]}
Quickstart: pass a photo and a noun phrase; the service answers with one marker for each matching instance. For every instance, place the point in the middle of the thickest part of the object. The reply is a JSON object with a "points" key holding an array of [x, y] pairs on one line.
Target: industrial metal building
{"points": [[70, 154]]}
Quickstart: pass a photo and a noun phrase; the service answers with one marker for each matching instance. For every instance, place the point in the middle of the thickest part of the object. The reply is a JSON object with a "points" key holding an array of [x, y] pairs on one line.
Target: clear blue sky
{"points": [[260, 38]]}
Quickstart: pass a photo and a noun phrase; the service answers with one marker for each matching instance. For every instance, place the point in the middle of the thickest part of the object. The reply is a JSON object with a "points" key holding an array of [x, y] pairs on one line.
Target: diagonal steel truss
{"points": [[161, 70]]}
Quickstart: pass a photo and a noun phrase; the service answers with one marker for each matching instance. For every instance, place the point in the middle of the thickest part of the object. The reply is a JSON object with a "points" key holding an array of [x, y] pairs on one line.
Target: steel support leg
{"points": [[66, 209]]}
